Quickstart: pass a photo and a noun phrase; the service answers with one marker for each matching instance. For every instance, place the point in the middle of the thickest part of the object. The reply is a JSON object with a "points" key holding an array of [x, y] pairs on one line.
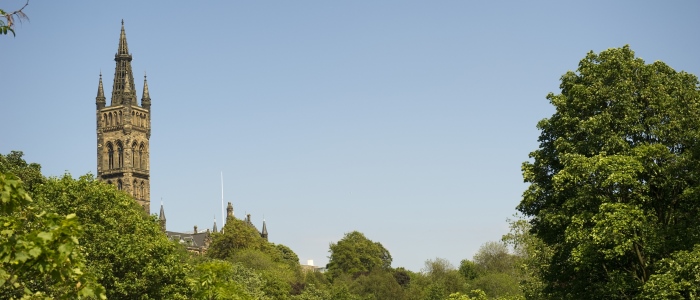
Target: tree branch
{"points": [[10, 17]]}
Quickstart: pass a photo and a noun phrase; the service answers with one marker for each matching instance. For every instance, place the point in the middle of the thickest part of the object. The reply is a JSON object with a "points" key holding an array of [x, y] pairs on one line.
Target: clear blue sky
{"points": [[405, 120]]}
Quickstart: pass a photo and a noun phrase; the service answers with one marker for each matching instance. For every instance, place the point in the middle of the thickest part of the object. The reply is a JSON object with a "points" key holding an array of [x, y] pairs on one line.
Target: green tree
{"points": [[355, 253], [532, 255], [311, 292], [494, 257], [287, 255], [469, 270], [378, 284], [39, 252], [498, 271], [123, 245], [677, 277], [222, 280], [443, 277], [278, 265], [29, 173], [237, 235], [614, 184]]}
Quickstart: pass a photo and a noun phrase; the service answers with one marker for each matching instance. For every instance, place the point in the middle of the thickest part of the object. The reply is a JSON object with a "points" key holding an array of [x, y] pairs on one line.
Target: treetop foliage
{"points": [[40, 254], [354, 254], [614, 183]]}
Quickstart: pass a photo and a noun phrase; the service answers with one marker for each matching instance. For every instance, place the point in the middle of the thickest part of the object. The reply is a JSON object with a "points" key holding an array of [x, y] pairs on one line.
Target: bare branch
{"points": [[10, 17]]}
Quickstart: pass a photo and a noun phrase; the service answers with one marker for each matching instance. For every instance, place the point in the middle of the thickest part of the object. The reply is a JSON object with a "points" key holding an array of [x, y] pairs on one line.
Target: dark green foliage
{"points": [[40, 254], [287, 255], [402, 276], [311, 292], [237, 235], [124, 246], [469, 270], [676, 277], [29, 173], [277, 265], [378, 284], [356, 254], [222, 280], [614, 184]]}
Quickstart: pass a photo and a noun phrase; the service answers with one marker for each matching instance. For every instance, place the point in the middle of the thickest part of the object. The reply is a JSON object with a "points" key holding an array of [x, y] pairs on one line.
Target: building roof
{"points": [[191, 240]]}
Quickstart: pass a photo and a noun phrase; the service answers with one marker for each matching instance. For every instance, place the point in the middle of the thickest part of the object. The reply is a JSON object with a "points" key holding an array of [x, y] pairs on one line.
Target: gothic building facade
{"points": [[123, 131], [123, 134]]}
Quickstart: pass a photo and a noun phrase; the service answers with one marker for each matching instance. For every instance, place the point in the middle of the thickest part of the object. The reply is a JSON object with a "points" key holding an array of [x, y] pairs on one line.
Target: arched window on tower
{"points": [[109, 123], [133, 155], [120, 155], [110, 156], [142, 190], [104, 120], [120, 118], [119, 184], [135, 189], [142, 157]]}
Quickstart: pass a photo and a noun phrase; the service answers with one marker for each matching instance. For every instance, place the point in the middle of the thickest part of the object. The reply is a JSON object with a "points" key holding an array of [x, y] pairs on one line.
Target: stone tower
{"points": [[123, 131]]}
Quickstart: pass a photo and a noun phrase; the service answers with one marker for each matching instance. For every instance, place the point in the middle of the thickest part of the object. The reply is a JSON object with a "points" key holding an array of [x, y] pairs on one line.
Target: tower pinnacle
{"points": [[146, 97], [161, 217], [100, 99], [123, 47], [122, 72], [263, 234]]}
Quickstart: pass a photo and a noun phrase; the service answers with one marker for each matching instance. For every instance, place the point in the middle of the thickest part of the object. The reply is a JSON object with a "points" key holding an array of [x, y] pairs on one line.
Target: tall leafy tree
{"points": [[355, 253], [40, 256], [277, 265], [29, 173], [615, 183], [223, 280], [236, 235], [123, 245]]}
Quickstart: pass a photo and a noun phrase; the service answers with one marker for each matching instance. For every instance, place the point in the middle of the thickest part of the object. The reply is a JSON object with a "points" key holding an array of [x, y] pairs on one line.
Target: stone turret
{"points": [[264, 231], [229, 212], [161, 218], [100, 100], [146, 97]]}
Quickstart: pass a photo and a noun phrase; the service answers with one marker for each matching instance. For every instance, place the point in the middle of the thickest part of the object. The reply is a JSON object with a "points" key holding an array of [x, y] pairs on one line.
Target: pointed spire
{"points": [[100, 99], [123, 47], [100, 89], [161, 217], [214, 229], [146, 97], [264, 230], [123, 77]]}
